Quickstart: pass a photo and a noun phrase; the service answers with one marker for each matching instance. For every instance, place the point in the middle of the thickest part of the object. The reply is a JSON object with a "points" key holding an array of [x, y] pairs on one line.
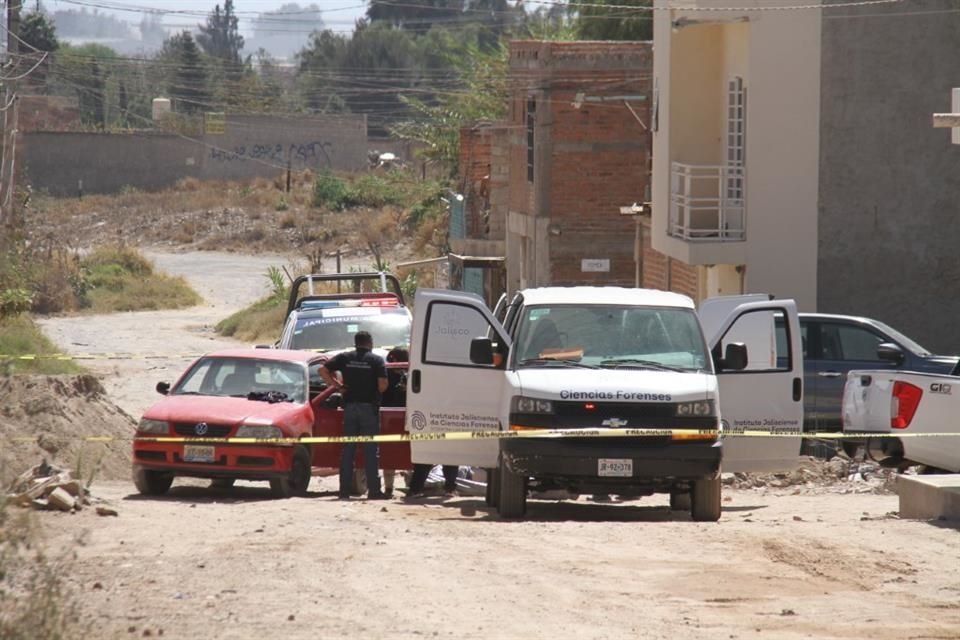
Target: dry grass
{"points": [[120, 278]]}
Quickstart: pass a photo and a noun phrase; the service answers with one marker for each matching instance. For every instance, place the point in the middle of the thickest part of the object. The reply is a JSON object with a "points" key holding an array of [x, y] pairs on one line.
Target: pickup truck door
{"points": [[767, 395], [445, 390]]}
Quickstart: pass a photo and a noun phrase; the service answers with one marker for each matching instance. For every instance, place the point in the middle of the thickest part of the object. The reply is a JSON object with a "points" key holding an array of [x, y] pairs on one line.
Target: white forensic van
{"points": [[593, 358]]}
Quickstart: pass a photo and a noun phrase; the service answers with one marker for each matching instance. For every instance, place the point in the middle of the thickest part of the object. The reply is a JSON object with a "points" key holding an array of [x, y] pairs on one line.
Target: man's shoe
{"points": [[343, 496], [379, 495]]}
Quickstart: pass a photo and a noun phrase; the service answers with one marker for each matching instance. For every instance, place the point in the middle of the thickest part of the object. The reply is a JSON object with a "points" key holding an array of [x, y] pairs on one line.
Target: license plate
{"points": [[615, 467], [197, 453]]}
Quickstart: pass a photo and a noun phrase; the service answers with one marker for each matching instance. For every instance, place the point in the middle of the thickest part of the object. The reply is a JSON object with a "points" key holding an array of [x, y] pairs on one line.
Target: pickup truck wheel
{"points": [[493, 487], [705, 500], [222, 483], [151, 483], [296, 481], [680, 501], [513, 493]]}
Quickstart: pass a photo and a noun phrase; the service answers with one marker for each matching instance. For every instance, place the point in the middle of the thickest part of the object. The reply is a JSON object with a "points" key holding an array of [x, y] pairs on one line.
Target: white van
{"points": [[599, 358]]}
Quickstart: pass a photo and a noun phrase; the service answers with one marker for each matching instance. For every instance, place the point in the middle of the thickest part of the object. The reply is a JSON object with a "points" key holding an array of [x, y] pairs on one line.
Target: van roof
{"points": [[605, 295]]}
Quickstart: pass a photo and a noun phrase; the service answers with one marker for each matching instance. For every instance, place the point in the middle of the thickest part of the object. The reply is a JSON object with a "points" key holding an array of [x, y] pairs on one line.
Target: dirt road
{"points": [[208, 564]]}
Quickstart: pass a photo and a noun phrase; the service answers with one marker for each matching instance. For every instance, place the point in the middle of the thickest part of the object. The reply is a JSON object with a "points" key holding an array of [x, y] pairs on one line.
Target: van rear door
{"points": [[767, 395], [446, 391]]}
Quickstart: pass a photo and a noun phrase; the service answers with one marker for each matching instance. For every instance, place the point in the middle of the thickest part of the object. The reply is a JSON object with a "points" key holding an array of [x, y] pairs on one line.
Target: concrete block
{"points": [[932, 497], [62, 500]]}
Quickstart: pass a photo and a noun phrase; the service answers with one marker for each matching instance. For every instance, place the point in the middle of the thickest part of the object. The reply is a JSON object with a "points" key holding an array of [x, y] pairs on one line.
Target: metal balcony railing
{"points": [[707, 202]]}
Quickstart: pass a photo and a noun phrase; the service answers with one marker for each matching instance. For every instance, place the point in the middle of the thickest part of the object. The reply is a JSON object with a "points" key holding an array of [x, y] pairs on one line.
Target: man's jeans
{"points": [[360, 419]]}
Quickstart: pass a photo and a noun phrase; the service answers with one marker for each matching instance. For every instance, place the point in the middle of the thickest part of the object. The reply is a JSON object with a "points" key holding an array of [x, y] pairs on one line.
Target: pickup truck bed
{"points": [[908, 410]]}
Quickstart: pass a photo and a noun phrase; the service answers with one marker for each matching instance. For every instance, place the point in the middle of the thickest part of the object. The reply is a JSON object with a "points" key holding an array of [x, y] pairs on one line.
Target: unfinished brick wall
{"points": [[590, 156]]}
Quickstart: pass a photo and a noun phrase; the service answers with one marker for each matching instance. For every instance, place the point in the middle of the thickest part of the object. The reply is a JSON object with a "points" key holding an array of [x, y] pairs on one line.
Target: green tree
{"points": [[483, 96], [597, 20], [317, 76], [86, 70], [38, 31], [220, 38], [188, 82]]}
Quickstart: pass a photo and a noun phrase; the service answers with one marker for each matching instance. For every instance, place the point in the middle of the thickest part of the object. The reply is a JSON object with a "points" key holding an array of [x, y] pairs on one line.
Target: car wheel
{"points": [[222, 483], [296, 481], [705, 500], [151, 483], [493, 487], [513, 493], [680, 501]]}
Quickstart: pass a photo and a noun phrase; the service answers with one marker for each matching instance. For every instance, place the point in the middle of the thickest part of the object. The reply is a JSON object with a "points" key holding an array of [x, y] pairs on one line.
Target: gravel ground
{"points": [[801, 562]]}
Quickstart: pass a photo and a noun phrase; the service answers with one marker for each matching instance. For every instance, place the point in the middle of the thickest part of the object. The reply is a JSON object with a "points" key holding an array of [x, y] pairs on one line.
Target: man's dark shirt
{"points": [[361, 371]]}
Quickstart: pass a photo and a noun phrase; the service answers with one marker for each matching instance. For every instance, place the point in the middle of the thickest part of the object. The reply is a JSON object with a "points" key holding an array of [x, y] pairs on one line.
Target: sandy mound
{"points": [[56, 412]]}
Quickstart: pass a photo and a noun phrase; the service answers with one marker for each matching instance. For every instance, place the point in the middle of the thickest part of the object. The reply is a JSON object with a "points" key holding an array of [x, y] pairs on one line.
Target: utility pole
{"points": [[9, 140]]}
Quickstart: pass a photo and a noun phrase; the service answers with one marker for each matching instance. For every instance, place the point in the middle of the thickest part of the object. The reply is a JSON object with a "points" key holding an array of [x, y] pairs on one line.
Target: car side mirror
{"points": [[890, 352], [481, 351], [735, 357], [163, 388]]}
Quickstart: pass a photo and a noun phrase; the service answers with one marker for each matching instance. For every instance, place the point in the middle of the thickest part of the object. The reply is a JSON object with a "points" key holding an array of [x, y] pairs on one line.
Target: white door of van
{"points": [[766, 395], [445, 390]]}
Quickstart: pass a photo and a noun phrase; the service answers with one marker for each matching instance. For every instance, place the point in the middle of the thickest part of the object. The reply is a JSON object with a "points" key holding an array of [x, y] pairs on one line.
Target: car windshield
{"points": [[611, 336], [324, 331], [238, 377]]}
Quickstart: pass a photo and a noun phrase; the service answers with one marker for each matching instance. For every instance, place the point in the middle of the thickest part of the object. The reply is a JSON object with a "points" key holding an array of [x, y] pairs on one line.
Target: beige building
{"points": [[736, 144]]}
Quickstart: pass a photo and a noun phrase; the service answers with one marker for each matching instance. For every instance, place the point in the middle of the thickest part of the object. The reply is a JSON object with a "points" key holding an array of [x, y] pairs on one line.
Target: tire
{"points": [[705, 500], [680, 501], [296, 481], [151, 483], [222, 483], [493, 488], [513, 493]]}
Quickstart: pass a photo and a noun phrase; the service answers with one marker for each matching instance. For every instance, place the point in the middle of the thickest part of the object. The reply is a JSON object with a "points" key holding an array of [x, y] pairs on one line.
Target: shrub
{"points": [[329, 191]]}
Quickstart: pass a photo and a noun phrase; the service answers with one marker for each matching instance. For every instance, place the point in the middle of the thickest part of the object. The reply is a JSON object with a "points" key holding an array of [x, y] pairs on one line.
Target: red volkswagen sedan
{"points": [[242, 393]]}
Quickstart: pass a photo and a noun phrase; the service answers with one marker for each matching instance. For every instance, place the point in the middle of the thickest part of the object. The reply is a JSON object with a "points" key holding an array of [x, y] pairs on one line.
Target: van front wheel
{"points": [[705, 500], [513, 493]]}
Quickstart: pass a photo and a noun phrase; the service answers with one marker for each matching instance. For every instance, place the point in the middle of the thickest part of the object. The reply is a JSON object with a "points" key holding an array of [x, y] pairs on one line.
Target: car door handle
{"points": [[829, 374], [415, 381]]}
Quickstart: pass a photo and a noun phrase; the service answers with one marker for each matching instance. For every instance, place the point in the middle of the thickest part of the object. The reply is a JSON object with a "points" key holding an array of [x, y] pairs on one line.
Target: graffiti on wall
{"points": [[297, 153]]}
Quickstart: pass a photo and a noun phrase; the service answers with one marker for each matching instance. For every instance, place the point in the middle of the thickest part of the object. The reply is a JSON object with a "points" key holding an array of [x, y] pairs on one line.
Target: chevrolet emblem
{"points": [[614, 423]]}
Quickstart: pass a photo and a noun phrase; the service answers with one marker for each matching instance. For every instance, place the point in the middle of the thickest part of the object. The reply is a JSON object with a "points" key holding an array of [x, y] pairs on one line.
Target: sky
{"points": [[338, 15]]}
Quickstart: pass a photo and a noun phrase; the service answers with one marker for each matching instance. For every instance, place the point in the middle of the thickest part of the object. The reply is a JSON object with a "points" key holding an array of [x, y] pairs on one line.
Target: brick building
{"points": [[579, 150]]}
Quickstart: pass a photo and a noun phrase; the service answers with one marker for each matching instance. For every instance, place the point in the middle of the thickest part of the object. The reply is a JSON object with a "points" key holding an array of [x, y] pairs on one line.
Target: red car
{"points": [[249, 393]]}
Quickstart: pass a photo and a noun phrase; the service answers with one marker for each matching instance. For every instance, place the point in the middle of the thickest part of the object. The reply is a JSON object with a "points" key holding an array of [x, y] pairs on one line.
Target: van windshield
{"points": [[610, 336]]}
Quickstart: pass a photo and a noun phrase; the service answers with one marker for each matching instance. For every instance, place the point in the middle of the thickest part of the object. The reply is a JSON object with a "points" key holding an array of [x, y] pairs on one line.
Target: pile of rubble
{"points": [[839, 474], [48, 487]]}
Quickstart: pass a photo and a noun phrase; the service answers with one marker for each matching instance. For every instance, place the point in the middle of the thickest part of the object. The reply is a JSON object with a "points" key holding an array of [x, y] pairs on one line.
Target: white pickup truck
{"points": [[894, 404], [594, 358]]}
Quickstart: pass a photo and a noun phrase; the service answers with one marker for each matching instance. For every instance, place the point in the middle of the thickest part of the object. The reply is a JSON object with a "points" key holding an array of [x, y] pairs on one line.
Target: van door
{"points": [[766, 395], [446, 391]]}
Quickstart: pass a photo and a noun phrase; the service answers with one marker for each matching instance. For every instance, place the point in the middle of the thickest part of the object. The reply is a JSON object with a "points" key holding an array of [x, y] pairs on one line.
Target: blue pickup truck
{"points": [[835, 344]]}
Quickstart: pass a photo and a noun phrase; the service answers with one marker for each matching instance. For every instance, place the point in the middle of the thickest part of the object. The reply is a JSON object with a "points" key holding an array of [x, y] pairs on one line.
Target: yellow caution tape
{"points": [[680, 434]]}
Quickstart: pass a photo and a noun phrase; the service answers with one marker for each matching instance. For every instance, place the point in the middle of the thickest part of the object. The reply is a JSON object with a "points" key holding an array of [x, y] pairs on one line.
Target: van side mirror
{"points": [[735, 357], [481, 351], [890, 352], [163, 388]]}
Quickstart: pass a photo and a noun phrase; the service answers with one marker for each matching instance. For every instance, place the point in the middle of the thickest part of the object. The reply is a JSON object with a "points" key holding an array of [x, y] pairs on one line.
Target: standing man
{"points": [[364, 378]]}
